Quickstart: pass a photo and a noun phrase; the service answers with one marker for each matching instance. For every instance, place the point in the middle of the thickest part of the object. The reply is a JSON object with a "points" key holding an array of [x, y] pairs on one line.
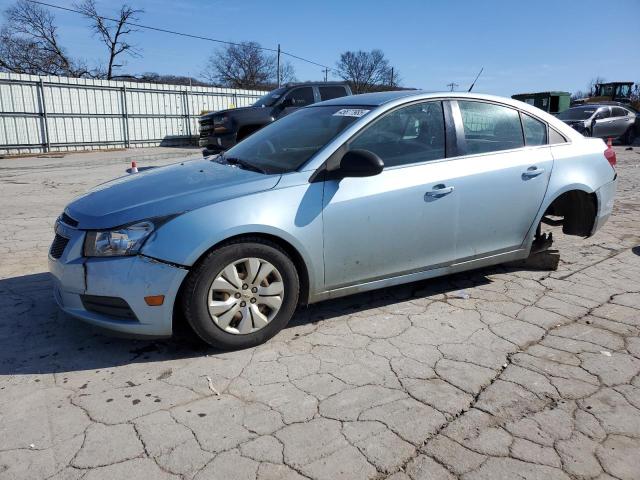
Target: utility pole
{"points": [[452, 85], [278, 65], [326, 73], [391, 83]]}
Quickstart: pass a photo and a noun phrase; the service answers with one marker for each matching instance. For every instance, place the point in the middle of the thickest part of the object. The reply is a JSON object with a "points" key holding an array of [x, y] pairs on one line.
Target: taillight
{"points": [[610, 155]]}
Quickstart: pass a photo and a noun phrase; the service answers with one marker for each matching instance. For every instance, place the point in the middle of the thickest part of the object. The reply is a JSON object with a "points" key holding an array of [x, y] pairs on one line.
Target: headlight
{"points": [[221, 123], [118, 242]]}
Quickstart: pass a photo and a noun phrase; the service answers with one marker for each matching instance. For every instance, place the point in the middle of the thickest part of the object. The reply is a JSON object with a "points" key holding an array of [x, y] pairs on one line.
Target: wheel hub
{"points": [[245, 296]]}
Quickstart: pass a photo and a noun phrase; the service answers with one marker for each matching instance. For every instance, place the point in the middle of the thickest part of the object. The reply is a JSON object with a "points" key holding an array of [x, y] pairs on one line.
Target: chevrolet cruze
{"points": [[343, 196]]}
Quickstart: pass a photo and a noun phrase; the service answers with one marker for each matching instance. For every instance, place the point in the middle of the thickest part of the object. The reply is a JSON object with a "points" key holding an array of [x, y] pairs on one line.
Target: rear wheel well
{"points": [[578, 210], [246, 130]]}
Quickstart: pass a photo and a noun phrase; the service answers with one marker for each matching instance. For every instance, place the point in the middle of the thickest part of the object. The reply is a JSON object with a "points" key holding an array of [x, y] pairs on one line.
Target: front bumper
{"points": [[129, 278], [212, 141], [605, 195]]}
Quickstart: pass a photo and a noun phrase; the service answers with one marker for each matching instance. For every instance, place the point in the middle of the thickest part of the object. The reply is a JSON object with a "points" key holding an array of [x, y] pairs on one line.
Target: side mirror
{"points": [[359, 163]]}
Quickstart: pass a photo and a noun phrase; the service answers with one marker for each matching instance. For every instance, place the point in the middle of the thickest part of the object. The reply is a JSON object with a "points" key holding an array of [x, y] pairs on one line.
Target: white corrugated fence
{"points": [[49, 114]]}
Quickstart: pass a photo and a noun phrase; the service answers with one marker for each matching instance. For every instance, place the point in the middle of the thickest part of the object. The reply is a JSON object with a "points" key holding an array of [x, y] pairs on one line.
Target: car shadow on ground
{"points": [[37, 338]]}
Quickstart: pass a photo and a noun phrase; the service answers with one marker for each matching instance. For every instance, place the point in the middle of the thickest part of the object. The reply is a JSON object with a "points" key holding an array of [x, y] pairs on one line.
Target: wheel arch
{"points": [[578, 204], [296, 257]]}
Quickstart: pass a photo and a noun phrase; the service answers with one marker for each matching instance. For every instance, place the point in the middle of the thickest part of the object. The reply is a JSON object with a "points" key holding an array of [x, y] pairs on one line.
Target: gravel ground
{"points": [[501, 373]]}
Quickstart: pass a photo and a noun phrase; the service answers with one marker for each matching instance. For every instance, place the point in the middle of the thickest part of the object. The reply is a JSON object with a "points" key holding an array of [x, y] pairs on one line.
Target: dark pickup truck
{"points": [[223, 129]]}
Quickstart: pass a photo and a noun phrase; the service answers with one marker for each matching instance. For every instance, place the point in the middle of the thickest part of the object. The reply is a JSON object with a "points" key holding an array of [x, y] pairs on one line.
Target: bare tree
{"points": [[578, 95], [246, 65], [366, 71], [29, 43], [287, 72], [112, 33]]}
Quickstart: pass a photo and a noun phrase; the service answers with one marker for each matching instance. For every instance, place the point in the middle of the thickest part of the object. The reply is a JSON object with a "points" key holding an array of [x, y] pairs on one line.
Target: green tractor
{"points": [[622, 92]]}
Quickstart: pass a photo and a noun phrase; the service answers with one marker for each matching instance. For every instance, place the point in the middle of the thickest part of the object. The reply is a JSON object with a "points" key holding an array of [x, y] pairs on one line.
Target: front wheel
{"points": [[242, 294]]}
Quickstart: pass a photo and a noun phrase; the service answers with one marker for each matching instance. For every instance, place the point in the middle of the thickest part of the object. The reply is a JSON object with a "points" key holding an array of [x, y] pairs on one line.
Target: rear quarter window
{"points": [[535, 132], [329, 92], [556, 137]]}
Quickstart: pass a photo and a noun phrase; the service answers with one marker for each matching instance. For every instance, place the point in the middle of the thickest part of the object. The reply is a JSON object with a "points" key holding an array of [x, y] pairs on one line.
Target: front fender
{"points": [[293, 214]]}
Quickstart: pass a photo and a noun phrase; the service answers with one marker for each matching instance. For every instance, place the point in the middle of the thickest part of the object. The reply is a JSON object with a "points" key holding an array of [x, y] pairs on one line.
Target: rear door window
{"points": [[535, 131], [489, 127], [333, 91], [618, 112]]}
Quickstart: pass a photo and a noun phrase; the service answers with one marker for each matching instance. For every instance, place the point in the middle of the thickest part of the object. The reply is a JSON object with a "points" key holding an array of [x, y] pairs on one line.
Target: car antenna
{"points": [[474, 82]]}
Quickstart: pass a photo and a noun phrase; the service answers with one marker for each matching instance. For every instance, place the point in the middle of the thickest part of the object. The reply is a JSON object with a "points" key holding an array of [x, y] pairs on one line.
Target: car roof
{"points": [[603, 104], [371, 99], [321, 84], [381, 98], [388, 100]]}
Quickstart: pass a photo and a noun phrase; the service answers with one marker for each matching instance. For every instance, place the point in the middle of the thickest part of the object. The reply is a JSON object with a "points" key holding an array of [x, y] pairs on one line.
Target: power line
{"points": [[173, 32]]}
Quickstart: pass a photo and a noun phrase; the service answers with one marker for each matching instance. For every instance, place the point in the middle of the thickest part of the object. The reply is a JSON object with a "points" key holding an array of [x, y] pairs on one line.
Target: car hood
{"points": [[165, 191], [229, 110]]}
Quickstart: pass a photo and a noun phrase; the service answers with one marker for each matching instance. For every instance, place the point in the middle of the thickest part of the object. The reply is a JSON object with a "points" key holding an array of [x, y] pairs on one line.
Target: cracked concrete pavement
{"points": [[536, 375]]}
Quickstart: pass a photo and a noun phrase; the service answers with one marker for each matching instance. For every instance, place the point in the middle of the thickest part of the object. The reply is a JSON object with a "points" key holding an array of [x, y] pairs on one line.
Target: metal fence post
{"points": [[47, 142], [187, 113], [125, 116]]}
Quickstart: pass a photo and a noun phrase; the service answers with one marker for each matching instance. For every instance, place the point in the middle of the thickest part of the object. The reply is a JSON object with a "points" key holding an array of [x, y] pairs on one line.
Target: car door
{"points": [[602, 123], [621, 121], [401, 220], [297, 98], [502, 179]]}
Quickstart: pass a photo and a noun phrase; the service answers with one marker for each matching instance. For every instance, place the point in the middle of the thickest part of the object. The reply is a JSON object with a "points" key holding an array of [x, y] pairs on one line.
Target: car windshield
{"points": [[579, 113], [288, 143], [270, 98]]}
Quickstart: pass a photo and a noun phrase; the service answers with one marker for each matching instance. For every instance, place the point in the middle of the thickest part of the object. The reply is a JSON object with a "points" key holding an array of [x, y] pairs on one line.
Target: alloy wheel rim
{"points": [[245, 296]]}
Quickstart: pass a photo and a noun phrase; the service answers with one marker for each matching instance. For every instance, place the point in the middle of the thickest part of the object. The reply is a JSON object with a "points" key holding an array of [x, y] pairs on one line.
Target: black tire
{"points": [[630, 136], [197, 284]]}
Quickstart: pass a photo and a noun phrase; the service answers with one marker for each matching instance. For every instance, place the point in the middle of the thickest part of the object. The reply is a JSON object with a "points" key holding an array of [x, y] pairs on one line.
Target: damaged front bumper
{"points": [[109, 292]]}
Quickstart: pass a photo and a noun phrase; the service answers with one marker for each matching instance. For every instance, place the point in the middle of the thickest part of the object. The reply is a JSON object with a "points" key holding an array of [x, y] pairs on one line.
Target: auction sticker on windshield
{"points": [[351, 112]]}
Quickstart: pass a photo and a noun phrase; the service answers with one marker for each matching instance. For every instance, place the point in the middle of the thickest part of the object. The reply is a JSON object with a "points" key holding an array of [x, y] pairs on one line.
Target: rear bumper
{"points": [[605, 195], [127, 278]]}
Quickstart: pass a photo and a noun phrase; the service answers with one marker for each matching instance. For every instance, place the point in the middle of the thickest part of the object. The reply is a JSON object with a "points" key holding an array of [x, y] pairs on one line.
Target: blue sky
{"points": [[523, 46]]}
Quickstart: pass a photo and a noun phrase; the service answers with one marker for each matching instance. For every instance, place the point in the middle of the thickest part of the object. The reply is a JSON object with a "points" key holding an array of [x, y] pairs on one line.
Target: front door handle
{"points": [[438, 191], [532, 172]]}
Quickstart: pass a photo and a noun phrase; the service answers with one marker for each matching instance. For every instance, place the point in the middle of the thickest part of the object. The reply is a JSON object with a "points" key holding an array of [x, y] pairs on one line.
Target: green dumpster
{"points": [[552, 102]]}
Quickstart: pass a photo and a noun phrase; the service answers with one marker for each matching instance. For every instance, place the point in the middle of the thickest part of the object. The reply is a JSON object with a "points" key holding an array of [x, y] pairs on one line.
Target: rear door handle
{"points": [[438, 191], [532, 172]]}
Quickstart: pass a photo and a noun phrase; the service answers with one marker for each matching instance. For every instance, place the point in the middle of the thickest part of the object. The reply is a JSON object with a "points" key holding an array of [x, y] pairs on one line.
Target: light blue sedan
{"points": [[344, 196]]}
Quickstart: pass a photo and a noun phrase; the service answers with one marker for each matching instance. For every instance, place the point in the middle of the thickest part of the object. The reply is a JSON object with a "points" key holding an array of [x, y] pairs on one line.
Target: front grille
{"points": [[109, 306], [64, 218], [58, 246], [206, 122]]}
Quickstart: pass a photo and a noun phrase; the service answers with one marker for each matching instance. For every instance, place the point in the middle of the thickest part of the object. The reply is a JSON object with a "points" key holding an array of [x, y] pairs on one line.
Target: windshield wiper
{"points": [[243, 164]]}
